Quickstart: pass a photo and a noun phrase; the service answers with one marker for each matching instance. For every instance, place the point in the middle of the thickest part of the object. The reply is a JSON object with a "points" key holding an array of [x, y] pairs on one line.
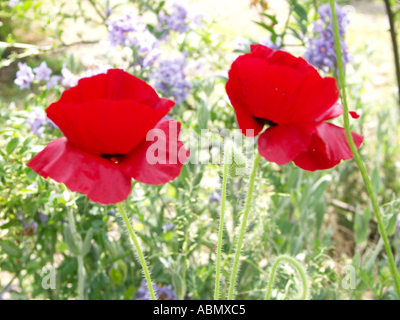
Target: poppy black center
{"points": [[265, 122], [112, 157]]}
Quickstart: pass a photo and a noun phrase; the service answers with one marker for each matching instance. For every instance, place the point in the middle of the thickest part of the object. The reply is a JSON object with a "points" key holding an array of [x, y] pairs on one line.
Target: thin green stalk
{"points": [[78, 243], [81, 278], [221, 224], [299, 268], [138, 250], [186, 245], [357, 157], [243, 228], [393, 35]]}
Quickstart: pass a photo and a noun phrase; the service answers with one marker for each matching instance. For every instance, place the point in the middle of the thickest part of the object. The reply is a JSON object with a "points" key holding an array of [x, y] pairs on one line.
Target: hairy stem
{"points": [[221, 223], [243, 228], [298, 267], [138, 250], [357, 157], [78, 243], [81, 278], [186, 245]]}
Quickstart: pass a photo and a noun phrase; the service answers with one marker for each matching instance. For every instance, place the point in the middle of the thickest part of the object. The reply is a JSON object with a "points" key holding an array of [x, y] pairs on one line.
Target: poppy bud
{"points": [[237, 161]]}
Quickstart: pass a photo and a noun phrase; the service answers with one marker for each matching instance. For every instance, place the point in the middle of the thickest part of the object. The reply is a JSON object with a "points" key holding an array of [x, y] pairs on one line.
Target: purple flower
{"points": [[170, 79], [108, 12], [112, 213], [321, 49], [24, 76], [168, 226], [43, 72], [215, 197], [121, 29], [196, 21], [69, 79], [151, 57], [129, 32], [54, 80], [43, 218], [30, 227], [13, 3], [36, 120], [146, 47], [270, 44], [176, 21], [162, 292]]}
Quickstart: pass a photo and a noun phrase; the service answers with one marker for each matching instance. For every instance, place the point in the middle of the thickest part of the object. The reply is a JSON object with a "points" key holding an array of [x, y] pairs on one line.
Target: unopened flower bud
{"points": [[237, 161]]}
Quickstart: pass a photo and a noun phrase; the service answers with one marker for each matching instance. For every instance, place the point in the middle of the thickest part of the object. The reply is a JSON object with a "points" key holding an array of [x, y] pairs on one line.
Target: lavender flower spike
{"points": [[321, 49], [170, 79]]}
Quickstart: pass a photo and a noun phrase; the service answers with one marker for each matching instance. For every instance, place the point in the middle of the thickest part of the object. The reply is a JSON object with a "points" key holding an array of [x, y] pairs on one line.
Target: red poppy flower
{"points": [[276, 89], [105, 120]]}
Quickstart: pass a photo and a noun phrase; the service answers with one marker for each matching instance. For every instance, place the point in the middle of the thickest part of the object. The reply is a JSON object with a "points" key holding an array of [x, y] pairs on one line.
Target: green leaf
{"points": [[391, 225], [10, 248], [295, 34], [12, 145], [300, 11], [272, 18], [269, 28], [301, 25]]}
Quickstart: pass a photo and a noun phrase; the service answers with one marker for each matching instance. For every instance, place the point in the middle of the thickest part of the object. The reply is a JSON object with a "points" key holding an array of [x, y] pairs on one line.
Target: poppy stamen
{"points": [[114, 158], [265, 122]]}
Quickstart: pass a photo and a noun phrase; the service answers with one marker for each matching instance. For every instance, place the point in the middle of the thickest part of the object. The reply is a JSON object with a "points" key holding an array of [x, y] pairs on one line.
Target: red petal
{"points": [[258, 50], [328, 148], [278, 87], [245, 119], [286, 59], [115, 85], [335, 111], [98, 178], [140, 164], [283, 143], [354, 114], [104, 126]]}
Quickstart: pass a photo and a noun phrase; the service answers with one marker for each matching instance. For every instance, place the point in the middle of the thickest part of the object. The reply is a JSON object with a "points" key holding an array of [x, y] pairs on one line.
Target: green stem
{"points": [[357, 157], [221, 224], [78, 243], [299, 268], [138, 250], [393, 35], [186, 244], [243, 228], [81, 278]]}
